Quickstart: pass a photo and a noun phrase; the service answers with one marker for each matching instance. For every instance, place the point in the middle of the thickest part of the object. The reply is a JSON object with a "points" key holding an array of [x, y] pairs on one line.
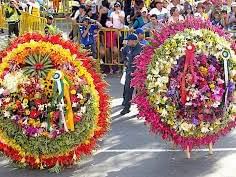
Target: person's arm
{"points": [[122, 16], [135, 25], [86, 31]]}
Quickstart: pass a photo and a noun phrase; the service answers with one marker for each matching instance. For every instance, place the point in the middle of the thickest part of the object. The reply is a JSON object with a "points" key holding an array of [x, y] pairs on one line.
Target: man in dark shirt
{"points": [[129, 53]]}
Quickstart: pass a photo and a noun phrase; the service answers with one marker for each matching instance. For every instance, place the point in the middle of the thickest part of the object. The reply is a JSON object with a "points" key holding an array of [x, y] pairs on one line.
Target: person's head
{"points": [[140, 33], [132, 40], [144, 11], [217, 15], [159, 4], [153, 19], [86, 21], [75, 6], [117, 6], [175, 2], [105, 3], [233, 6], [188, 9], [82, 9], [200, 8], [174, 11], [50, 19], [12, 3]]}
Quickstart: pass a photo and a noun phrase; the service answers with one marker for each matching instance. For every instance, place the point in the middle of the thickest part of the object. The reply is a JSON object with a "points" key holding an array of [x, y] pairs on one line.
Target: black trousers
{"points": [[128, 91], [13, 28]]}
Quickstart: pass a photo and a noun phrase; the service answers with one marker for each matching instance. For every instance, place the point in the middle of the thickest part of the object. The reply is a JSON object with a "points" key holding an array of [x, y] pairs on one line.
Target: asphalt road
{"points": [[130, 151]]}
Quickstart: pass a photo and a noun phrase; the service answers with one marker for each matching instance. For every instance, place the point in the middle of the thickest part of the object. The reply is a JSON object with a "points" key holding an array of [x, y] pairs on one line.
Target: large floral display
{"points": [[186, 82], [53, 103]]}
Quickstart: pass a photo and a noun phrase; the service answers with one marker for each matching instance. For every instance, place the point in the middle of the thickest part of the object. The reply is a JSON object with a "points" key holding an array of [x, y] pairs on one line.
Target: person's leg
{"points": [[10, 29], [128, 92], [16, 29], [94, 50]]}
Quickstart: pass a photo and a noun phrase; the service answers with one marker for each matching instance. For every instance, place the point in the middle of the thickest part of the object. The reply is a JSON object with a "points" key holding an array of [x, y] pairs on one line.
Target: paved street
{"points": [[130, 151]]}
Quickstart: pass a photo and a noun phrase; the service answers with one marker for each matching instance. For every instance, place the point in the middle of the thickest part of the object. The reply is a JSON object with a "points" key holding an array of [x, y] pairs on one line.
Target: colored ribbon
{"points": [[64, 90], [189, 57]]}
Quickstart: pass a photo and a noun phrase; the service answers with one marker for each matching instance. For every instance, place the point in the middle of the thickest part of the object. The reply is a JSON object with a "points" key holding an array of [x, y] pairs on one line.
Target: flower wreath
{"points": [[186, 82], [53, 104]]}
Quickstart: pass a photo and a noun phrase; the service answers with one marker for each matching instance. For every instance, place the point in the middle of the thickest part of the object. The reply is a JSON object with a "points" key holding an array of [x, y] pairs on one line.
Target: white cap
{"points": [[75, 3]]}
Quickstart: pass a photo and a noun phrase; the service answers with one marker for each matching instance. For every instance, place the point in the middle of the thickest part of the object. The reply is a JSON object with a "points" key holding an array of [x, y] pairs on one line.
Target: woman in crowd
{"points": [[118, 16], [142, 19], [103, 13], [175, 15]]}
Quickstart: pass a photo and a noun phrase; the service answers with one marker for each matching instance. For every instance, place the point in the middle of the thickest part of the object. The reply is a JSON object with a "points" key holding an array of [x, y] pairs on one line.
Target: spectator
{"points": [[154, 24], [118, 16], [175, 3], [110, 52], [160, 11], [75, 10], [12, 14], [175, 16], [224, 18], [103, 13], [141, 37], [141, 20], [217, 19], [201, 12], [188, 11], [82, 14], [77, 21], [136, 9], [133, 49], [232, 17], [34, 8], [87, 32], [50, 29]]}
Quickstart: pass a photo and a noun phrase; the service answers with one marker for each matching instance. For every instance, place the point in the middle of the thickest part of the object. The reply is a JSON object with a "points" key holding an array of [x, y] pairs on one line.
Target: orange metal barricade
{"points": [[109, 45]]}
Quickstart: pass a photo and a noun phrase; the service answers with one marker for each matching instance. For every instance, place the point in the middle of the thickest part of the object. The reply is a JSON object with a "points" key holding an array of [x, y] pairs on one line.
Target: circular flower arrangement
{"points": [[53, 104], [186, 82]]}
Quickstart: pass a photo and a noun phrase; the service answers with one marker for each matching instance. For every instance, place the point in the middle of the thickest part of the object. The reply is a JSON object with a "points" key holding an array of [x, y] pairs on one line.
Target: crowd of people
{"points": [[137, 16]]}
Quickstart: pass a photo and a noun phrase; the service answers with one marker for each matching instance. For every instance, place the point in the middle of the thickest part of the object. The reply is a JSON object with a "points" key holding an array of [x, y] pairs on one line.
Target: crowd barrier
{"points": [[3, 23], [110, 43], [30, 23]]}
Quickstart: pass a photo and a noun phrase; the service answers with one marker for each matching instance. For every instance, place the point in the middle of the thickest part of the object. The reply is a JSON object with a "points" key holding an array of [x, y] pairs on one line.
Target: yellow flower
{"points": [[73, 92], [27, 112]]}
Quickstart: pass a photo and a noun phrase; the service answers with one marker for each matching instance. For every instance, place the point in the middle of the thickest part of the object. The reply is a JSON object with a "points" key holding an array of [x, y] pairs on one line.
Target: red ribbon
{"points": [[189, 54]]}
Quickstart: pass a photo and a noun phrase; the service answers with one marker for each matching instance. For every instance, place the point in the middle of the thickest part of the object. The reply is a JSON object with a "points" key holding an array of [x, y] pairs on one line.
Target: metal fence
{"points": [[3, 23], [30, 23], [109, 45]]}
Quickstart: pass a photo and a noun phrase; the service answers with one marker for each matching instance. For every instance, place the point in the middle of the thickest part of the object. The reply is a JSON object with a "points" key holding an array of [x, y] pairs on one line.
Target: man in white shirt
{"points": [[160, 11]]}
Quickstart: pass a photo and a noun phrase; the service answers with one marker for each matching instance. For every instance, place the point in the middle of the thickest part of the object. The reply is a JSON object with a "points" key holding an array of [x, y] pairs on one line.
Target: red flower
{"points": [[34, 113]]}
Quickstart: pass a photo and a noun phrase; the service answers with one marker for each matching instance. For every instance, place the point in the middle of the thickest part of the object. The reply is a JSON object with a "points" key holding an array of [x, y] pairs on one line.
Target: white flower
{"points": [[80, 96], [1, 91], [6, 114], [12, 80], [41, 107], [74, 105], [83, 109], [204, 130], [44, 124]]}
